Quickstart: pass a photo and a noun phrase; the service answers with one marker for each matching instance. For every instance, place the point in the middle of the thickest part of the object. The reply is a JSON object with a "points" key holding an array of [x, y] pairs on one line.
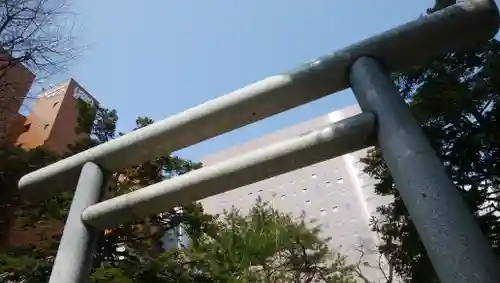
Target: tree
{"points": [[266, 246], [261, 246], [36, 34], [14, 163], [455, 99]]}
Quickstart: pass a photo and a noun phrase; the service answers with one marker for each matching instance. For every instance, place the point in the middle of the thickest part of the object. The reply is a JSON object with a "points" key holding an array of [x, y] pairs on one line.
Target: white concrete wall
{"points": [[335, 192]]}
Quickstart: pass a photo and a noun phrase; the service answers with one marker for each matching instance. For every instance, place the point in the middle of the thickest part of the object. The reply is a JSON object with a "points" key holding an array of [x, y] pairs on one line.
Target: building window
{"points": [[46, 126], [55, 104], [340, 180], [282, 197], [27, 127]]}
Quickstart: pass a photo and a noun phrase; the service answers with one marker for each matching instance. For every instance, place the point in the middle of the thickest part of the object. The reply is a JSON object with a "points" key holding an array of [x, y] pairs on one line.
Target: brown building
{"points": [[51, 124], [15, 82], [53, 118], [15, 129]]}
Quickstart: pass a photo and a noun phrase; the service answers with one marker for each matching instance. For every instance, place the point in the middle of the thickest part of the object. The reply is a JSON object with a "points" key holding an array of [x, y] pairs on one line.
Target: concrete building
{"points": [[334, 193], [53, 118], [15, 82]]}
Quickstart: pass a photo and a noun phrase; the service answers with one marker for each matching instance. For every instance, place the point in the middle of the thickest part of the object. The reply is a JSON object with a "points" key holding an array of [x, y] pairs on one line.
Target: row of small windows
{"points": [[322, 211], [304, 190], [313, 176]]}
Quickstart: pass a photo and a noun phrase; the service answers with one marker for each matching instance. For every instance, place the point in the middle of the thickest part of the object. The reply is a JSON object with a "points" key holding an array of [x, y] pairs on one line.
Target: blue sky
{"points": [[163, 56]]}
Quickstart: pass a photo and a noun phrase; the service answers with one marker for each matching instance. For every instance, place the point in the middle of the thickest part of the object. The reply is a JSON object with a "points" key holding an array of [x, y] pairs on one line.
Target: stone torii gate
{"points": [[458, 250]]}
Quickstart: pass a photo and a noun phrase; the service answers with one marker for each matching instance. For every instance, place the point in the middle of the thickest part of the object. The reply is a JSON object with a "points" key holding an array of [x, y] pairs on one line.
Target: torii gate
{"points": [[452, 238]]}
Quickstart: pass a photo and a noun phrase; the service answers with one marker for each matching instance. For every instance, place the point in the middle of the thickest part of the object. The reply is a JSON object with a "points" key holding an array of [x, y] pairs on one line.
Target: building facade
{"points": [[53, 119], [334, 193]]}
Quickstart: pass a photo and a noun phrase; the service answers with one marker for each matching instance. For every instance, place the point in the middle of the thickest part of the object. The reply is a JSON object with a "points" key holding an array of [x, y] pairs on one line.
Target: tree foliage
{"points": [[14, 163], [261, 246], [266, 246], [35, 33], [455, 100]]}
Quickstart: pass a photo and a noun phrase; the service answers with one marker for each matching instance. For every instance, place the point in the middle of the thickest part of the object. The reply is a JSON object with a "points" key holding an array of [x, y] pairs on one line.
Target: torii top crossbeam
{"points": [[458, 26]]}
